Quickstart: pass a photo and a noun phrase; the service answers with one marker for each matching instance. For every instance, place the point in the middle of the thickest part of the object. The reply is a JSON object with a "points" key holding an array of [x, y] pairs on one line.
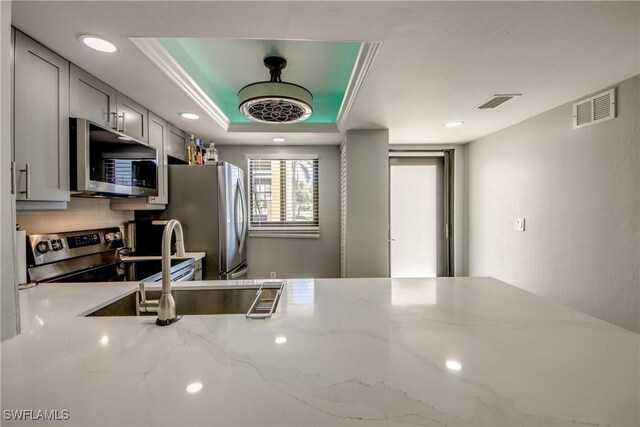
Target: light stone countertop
{"points": [[357, 352]]}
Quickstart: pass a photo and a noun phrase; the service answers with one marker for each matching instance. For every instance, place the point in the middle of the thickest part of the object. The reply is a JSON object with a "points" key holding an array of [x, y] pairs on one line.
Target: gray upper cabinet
{"points": [[131, 118], [41, 125], [177, 144], [157, 138], [90, 98]]}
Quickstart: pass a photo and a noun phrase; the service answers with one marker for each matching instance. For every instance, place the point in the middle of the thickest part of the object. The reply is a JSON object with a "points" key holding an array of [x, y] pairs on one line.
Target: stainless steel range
{"points": [[94, 256]]}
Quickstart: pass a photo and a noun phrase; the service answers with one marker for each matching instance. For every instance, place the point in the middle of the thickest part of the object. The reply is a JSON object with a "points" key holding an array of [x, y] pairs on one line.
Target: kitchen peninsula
{"points": [[446, 351]]}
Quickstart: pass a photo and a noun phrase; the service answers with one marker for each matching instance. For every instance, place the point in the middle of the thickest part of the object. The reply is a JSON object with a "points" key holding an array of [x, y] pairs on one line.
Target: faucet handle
{"points": [[147, 306]]}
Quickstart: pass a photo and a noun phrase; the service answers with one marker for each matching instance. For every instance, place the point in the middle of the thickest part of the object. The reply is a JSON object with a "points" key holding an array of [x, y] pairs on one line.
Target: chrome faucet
{"points": [[165, 306]]}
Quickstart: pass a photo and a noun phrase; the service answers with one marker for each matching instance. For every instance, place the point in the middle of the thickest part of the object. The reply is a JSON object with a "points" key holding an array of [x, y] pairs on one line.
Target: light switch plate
{"points": [[518, 224]]}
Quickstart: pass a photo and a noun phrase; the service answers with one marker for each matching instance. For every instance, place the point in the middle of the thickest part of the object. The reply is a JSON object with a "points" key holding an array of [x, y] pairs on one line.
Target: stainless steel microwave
{"points": [[107, 163]]}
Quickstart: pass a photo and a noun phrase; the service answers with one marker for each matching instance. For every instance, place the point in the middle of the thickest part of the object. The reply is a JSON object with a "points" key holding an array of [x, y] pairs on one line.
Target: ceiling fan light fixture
{"points": [[275, 101]]}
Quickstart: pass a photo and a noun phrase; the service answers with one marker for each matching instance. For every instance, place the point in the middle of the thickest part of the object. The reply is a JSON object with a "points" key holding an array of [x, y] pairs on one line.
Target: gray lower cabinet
{"points": [[177, 143], [90, 98], [41, 126], [131, 118]]}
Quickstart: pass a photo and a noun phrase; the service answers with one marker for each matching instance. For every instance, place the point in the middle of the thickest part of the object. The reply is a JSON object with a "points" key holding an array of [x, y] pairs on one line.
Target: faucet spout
{"points": [[166, 305]]}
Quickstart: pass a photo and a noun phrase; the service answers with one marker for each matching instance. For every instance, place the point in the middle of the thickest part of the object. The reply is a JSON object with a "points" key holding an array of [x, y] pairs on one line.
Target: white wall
{"points": [[297, 257], [579, 191]]}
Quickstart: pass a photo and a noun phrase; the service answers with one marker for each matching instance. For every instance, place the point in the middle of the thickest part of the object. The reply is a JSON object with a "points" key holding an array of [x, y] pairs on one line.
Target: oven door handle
{"points": [[186, 277]]}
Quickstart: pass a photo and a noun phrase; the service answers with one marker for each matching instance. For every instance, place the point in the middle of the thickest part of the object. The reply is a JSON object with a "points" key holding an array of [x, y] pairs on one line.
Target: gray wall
{"points": [[579, 191], [8, 294], [297, 257], [367, 230], [81, 214]]}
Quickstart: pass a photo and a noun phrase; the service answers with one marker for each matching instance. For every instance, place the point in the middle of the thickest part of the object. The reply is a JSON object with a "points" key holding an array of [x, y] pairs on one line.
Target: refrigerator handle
{"points": [[243, 235]]}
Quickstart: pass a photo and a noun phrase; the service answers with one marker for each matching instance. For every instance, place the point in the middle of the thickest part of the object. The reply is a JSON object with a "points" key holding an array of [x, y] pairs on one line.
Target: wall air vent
{"points": [[497, 100], [596, 109]]}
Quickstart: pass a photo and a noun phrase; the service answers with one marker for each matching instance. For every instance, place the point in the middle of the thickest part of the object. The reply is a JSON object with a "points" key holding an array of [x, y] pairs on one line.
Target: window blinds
{"points": [[283, 196]]}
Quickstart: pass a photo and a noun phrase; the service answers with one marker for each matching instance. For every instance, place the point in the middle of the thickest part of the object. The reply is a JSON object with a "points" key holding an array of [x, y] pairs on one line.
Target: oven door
{"points": [[110, 163]]}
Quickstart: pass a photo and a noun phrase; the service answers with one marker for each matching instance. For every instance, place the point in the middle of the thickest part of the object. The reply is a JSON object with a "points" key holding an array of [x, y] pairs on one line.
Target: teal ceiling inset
{"points": [[221, 67]]}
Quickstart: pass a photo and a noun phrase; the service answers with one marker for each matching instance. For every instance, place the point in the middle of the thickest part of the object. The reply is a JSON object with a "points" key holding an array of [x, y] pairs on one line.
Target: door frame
{"points": [[448, 186]]}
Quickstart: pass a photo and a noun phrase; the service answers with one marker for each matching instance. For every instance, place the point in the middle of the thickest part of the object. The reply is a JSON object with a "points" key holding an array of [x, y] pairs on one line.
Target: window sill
{"points": [[276, 235]]}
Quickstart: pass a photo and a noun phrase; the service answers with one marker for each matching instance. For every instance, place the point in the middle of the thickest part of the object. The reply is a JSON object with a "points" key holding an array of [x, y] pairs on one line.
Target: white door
{"points": [[417, 220]]}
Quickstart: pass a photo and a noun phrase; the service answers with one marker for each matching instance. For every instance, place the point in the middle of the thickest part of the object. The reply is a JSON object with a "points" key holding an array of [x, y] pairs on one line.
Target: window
{"points": [[283, 195]]}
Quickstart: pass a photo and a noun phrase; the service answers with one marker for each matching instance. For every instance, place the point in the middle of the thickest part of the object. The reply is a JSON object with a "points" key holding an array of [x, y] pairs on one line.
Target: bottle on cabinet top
{"points": [[200, 154], [211, 153], [191, 151]]}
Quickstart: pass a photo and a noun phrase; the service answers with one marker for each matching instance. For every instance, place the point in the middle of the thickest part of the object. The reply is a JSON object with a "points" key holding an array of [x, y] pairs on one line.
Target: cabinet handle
{"points": [[116, 117], [115, 121], [27, 172], [13, 178]]}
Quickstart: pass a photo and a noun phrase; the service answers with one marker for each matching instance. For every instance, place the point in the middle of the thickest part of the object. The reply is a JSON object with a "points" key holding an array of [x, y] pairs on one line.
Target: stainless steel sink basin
{"points": [[193, 301]]}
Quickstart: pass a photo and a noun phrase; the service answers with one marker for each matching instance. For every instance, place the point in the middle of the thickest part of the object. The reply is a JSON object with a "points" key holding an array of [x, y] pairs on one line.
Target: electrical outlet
{"points": [[272, 275], [518, 224]]}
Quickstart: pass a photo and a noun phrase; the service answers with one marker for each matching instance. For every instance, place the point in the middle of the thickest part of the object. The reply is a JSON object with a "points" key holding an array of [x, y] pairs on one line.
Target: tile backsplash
{"points": [[81, 214]]}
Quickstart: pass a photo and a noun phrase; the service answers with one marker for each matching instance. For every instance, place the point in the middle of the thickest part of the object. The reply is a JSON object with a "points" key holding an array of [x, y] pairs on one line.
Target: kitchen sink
{"points": [[194, 301]]}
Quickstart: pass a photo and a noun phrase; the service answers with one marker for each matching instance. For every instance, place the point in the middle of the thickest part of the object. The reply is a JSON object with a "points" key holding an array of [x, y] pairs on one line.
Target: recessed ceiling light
{"points": [[190, 116], [98, 43], [278, 140], [454, 124], [104, 340], [454, 365], [194, 388], [281, 340]]}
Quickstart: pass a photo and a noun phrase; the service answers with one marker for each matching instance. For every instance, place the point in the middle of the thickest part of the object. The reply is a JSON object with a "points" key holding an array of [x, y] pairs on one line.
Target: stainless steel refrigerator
{"points": [[211, 204]]}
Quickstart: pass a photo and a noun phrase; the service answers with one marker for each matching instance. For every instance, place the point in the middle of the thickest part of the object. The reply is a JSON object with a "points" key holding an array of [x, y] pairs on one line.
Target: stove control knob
{"points": [[56, 244], [118, 235], [43, 247], [110, 237]]}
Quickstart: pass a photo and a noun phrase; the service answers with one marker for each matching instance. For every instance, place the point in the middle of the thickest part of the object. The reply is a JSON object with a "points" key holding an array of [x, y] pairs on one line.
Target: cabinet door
{"points": [[90, 98], [41, 122], [132, 118], [157, 138], [177, 145]]}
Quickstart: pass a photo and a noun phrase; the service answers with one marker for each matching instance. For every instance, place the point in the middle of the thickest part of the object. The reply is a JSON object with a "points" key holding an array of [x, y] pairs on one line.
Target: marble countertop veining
{"points": [[337, 352]]}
